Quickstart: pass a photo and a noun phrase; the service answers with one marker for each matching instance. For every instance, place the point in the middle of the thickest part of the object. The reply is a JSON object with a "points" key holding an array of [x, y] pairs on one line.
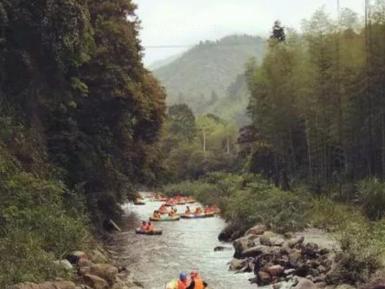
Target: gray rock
{"points": [[296, 241], [256, 230], [277, 241], [304, 283], [255, 251], [105, 271], [319, 279], [98, 257], [65, 264], [95, 282], [84, 262], [237, 264], [275, 270], [265, 240], [345, 286], [294, 257], [221, 248], [242, 244], [264, 278]]}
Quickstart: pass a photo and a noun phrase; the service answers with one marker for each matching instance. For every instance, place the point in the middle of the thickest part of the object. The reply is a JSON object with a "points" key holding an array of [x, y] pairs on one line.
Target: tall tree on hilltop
{"points": [[278, 32]]}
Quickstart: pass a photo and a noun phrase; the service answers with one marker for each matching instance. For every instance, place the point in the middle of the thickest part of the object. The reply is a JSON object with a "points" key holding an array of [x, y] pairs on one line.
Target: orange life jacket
{"points": [[182, 285], [198, 282]]}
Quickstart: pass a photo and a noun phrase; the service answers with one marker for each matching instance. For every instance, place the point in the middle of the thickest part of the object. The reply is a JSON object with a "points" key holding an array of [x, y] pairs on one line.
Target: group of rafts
{"points": [[167, 212]]}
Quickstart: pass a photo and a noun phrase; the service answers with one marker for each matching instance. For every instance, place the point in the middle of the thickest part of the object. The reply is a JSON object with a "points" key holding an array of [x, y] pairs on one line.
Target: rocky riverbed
{"points": [[306, 260]]}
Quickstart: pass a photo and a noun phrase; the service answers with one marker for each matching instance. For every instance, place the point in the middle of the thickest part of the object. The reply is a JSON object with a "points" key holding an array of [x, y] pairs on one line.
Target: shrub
{"points": [[329, 215], [23, 259], [246, 200], [264, 203], [361, 254], [35, 227], [371, 196]]}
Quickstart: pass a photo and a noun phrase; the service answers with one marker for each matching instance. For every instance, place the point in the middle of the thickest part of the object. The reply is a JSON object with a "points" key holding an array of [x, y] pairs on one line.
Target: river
{"points": [[185, 245]]}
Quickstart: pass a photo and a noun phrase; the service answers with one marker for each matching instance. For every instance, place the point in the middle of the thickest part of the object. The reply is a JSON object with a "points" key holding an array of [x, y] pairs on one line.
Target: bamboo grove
{"points": [[318, 102]]}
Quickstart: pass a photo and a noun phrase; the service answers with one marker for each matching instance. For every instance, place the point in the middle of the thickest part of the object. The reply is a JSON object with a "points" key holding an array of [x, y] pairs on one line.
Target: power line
{"points": [[167, 46]]}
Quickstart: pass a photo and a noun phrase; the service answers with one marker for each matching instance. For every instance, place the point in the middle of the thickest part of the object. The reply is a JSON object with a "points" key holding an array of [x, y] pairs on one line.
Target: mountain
{"points": [[208, 77], [163, 62]]}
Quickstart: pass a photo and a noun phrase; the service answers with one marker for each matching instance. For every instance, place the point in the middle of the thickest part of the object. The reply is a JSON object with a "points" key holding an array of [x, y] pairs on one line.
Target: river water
{"points": [[185, 245]]}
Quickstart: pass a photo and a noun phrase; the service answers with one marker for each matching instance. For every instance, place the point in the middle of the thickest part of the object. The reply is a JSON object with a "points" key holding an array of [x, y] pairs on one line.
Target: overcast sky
{"points": [[186, 22]]}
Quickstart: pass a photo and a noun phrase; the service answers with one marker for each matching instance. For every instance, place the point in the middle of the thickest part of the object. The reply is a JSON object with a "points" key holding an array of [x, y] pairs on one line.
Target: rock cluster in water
{"points": [[275, 258]]}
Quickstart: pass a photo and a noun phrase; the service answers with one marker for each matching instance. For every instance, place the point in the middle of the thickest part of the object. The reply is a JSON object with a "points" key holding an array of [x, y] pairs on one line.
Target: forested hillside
{"points": [[206, 74], [317, 103], [79, 122]]}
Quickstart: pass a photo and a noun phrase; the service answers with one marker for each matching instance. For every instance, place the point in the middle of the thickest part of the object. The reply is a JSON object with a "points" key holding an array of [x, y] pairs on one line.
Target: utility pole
{"points": [[204, 140], [338, 9]]}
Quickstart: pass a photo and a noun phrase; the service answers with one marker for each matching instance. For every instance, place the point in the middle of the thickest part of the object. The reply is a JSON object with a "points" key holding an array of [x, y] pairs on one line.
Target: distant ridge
{"points": [[160, 63], [208, 77]]}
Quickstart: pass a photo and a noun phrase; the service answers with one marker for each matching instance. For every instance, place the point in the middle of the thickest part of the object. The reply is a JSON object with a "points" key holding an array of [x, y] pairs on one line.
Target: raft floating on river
{"points": [[168, 219], [201, 216], [150, 233], [139, 203]]}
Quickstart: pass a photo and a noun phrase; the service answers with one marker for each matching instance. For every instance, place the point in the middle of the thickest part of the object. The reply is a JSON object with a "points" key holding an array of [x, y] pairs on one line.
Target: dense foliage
{"points": [[317, 104], [246, 200], [80, 118], [192, 147]]}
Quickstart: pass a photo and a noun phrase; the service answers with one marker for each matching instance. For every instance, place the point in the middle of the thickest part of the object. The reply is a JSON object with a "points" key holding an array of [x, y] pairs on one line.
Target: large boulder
{"points": [[304, 283], [232, 232], [294, 258], [256, 230], [378, 283], [264, 278], [345, 286], [105, 271], [277, 240], [272, 239], [98, 257], [311, 250], [295, 241], [95, 282], [242, 244], [237, 264], [255, 251], [265, 241], [275, 270], [45, 285], [65, 264], [84, 262]]}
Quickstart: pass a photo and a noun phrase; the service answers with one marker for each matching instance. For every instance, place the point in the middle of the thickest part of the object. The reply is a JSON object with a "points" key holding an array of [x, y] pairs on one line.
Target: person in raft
{"points": [[188, 211], [198, 211], [196, 281], [156, 214], [172, 213], [150, 227], [163, 209], [181, 283], [144, 226]]}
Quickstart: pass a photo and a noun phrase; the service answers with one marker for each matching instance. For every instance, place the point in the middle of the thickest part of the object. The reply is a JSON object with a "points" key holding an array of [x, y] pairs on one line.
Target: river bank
{"points": [[125, 260], [246, 200], [94, 269]]}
